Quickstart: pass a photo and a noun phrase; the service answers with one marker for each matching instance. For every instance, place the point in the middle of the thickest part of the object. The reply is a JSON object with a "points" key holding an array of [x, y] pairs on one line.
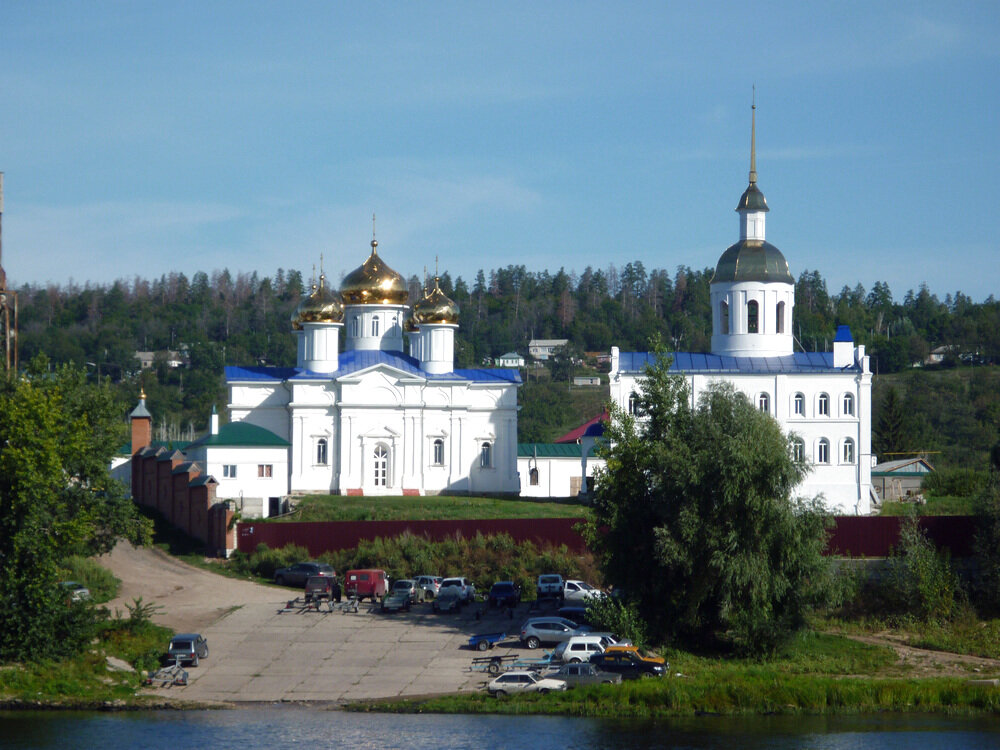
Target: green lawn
{"points": [[427, 508]]}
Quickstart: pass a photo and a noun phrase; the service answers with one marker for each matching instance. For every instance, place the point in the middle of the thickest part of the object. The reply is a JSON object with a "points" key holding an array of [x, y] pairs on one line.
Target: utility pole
{"points": [[8, 307]]}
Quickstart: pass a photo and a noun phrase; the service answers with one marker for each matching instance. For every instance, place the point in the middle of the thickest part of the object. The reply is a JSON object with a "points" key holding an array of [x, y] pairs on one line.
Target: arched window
{"points": [[375, 326], [848, 405], [823, 407], [724, 317], [848, 454], [823, 451], [799, 405], [486, 456], [798, 451], [355, 326], [633, 403], [753, 318], [381, 466], [779, 318], [764, 402], [321, 452], [439, 452], [533, 476]]}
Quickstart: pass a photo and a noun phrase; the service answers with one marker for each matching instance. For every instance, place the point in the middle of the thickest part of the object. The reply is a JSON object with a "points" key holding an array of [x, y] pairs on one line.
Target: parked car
{"points": [[539, 630], [641, 653], [550, 586], [584, 674], [522, 682], [464, 585], [574, 613], [450, 599], [504, 594], [76, 591], [322, 587], [300, 572], [580, 593], [369, 583], [430, 585], [396, 601], [406, 586], [628, 663], [187, 648], [579, 648]]}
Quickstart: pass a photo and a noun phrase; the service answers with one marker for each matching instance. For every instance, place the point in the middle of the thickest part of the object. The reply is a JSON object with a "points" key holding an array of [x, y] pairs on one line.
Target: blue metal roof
{"points": [[356, 360], [689, 362], [843, 334]]}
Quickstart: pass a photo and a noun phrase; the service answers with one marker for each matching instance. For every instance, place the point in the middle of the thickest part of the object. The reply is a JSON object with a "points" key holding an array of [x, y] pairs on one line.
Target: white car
{"points": [[522, 682], [464, 585], [580, 592]]}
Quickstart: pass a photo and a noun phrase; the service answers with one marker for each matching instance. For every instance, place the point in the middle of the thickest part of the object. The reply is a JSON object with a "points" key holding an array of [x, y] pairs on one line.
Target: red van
{"points": [[371, 584]]}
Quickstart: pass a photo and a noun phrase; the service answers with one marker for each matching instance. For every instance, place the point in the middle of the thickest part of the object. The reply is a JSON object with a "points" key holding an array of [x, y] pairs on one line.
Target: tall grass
{"points": [[102, 583]]}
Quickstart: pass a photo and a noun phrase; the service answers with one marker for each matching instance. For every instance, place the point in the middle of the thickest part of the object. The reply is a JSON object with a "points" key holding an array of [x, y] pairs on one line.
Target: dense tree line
{"points": [[222, 319]]}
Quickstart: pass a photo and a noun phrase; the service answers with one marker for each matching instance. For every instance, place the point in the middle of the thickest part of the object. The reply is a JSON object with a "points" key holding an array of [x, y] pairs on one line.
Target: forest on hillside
{"points": [[219, 319]]}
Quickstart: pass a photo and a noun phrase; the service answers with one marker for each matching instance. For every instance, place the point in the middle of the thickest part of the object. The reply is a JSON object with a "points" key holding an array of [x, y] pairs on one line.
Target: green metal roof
{"points": [[753, 260], [241, 435], [551, 450]]}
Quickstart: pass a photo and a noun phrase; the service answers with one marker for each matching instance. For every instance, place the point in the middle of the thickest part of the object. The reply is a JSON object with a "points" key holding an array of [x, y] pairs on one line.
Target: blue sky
{"points": [[142, 138]]}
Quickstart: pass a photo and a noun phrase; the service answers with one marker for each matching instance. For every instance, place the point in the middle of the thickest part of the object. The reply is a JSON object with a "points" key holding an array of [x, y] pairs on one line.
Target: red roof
{"points": [[573, 435]]}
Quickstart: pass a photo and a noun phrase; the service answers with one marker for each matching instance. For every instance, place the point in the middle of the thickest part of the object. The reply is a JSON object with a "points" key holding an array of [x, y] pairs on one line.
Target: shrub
{"points": [[920, 581], [955, 482], [614, 616]]}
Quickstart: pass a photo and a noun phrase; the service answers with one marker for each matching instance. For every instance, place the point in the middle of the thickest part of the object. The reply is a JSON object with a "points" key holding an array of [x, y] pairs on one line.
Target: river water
{"points": [[278, 727]]}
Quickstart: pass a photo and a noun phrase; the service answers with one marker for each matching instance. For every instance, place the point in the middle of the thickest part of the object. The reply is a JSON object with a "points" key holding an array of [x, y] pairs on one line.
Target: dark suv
{"points": [[628, 664], [322, 588], [298, 574], [504, 594]]}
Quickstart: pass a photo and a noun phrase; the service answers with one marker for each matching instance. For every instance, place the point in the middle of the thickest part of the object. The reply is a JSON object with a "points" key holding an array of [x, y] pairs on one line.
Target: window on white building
{"points": [[823, 451], [265, 471], [321, 452], [375, 326], [633, 403], [724, 316], [798, 451], [355, 326], [848, 455], [229, 471], [381, 466], [439, 452], [823, 407], [764, 403], [799, 405], [753, 317], [779, 318], [486, 456], [848, 405]]}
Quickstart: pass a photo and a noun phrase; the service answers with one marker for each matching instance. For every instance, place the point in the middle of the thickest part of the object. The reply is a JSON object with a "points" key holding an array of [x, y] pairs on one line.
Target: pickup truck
{"points": [[550, 586]]}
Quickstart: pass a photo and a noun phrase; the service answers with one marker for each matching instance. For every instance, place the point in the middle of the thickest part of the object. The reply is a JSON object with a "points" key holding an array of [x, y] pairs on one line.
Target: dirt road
{"points": [[191, 599]]}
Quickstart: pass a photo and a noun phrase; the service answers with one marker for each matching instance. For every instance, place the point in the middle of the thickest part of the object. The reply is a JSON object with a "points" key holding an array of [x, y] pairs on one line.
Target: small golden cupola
{"points": [[374, 283], [435, 307], [321, 306]]}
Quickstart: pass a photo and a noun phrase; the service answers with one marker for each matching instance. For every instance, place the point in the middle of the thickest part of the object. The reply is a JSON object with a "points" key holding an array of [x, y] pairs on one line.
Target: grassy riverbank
{"points": [[817, 674]]}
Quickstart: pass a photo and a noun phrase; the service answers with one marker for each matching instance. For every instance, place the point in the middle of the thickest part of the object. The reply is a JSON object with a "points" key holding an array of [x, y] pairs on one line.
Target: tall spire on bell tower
{"points": [[753, 137]]}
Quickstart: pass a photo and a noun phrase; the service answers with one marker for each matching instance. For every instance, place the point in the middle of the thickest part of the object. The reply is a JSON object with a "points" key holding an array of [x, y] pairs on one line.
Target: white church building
{"points": [[823, 399], [372, 419]]}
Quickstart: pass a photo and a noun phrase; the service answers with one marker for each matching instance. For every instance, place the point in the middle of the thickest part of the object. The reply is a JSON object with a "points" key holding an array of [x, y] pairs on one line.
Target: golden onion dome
{"points": [[374, 283], [322, 306], [409, 324], [435, 307]]}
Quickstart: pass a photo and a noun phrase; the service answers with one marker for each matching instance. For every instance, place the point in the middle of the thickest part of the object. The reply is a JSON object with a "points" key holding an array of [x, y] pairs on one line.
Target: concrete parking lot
{"points": [[258, 652]]}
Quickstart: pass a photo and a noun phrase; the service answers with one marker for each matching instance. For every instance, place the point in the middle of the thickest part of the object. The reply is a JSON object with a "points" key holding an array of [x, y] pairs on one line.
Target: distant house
{"points": [[510, 359], [545, 348], [587, 380], [171, 358], [895, 480]]}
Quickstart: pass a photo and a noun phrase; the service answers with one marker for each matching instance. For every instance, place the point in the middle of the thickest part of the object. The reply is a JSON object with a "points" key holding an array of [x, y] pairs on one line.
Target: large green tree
{"points": [[695, 518], [57, 436]]}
